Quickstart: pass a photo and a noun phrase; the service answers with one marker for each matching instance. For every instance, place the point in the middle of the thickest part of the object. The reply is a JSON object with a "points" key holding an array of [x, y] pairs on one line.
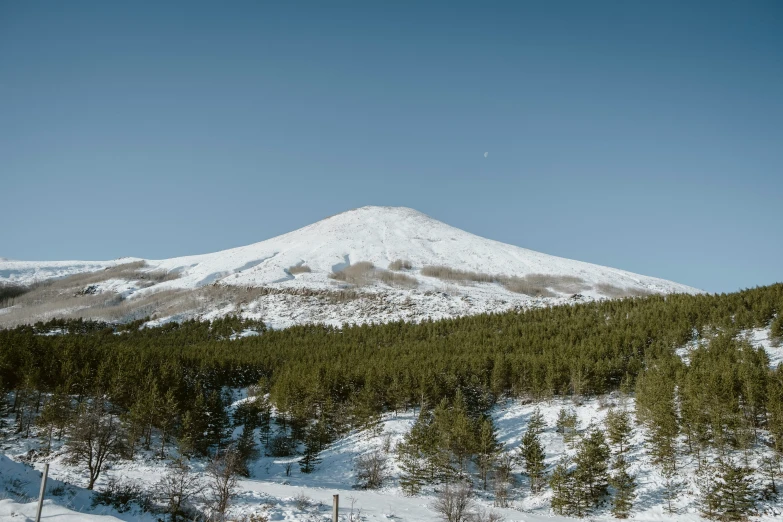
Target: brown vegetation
{"points": [[616, 292], [395, 279], [544, 285], [299, 269], [358, 274], [400, 264]]}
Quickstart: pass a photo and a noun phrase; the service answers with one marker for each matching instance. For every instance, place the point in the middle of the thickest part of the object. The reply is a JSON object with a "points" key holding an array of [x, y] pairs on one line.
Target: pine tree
{"points": [[618, 428], [671, 486], [55, 415], [487, 450], [567, 424], [310, 458], [504, 480], [532, 455], [591, 465], [536, 424], [624, 488], [166, 419], [770, 466], [193, 438], [246, 450], [735, 491], [563, 485], [218, 423]]}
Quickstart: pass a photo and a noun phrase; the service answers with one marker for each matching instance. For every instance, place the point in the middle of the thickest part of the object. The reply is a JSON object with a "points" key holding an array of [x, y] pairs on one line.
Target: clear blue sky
{"points": [[646, 136]]}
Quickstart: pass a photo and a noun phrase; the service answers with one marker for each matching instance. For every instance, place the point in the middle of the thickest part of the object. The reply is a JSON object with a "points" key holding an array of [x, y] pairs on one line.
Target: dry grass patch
{"points": [[395, 279], [299, 269], [358, 274], [521, 285], [452, 274], [400, 264], [543, 285], [616, 292]]}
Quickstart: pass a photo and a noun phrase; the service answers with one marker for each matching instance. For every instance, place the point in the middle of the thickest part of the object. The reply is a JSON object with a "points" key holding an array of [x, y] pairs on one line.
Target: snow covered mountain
{"points": [[441, 271]]}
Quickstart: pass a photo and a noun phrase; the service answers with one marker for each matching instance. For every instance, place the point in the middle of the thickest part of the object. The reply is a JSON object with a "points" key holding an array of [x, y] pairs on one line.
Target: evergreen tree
{"points": [[624, 488], [54, 417], [536, 424], [567, 424], [218, 427], [592, 464], [735, 491], [532, 455], [563, 487], [246, 451], [487, 450], [310, 458], [166, 419], [770, 466], [618, 428], [193, 439]]}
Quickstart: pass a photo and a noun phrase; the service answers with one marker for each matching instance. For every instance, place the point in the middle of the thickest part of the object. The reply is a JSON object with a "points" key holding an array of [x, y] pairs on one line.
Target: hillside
{"points": [[699, 377], [372, 264]]}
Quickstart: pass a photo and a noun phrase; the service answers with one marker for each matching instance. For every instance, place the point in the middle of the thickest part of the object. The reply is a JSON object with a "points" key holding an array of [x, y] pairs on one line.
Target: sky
{"points": [[646, 136]]}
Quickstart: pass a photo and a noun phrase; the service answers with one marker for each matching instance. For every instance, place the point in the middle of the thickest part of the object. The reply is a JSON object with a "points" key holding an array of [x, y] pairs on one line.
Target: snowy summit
{"points": [[417, 266]]}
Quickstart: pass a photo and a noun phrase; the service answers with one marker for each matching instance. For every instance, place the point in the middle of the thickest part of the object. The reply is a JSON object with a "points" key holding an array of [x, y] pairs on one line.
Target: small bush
{"points": [[358, 274], [302, 502], [521, 285], [395, 279], [299, 269], [371, 470], [400, 264], [617, 292], [452, 274], [280, 446], [453, 503], [120, 494]]}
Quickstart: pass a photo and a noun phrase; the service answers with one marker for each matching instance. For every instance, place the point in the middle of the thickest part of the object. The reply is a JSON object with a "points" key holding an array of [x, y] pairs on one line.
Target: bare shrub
{"points": [[120, 494], [223, 471], [400, 264], [544, 285], [617, 292], [521, 285], [302, 502], [299, 269], [178, 488], [452, 274], [371, 470], [559, 283], [481, 515], [395, 279], [9, 292], [95, 440], [358, 274], [453, 503]]}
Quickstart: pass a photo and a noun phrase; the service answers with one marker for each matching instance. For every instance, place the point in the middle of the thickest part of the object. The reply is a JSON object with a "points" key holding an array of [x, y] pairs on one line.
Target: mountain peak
{"points": [[397, 252]]}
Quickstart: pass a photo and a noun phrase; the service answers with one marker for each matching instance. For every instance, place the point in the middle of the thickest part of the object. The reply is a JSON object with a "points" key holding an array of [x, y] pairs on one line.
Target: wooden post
{"points": [[43, 490], [335, 507]]}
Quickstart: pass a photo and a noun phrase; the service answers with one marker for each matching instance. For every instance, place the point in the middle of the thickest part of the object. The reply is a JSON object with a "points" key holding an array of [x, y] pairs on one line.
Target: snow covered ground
{"points": [[378, 235], [271, 492]]}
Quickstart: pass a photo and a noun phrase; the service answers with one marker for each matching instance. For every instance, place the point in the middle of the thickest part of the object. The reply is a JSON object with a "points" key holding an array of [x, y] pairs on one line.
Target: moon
{"points": [[486, 154]]}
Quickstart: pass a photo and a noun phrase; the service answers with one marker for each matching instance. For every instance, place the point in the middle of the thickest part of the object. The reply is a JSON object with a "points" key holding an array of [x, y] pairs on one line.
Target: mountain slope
{"points": [[450, 272]]}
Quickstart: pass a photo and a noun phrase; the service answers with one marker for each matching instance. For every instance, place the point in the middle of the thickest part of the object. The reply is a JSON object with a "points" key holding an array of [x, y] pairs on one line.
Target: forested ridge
{"points": [[314, 383], [578, 349]]}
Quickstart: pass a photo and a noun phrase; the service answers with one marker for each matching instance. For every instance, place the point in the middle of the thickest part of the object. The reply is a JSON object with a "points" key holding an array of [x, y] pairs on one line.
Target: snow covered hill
{"points": [[441, 271]]}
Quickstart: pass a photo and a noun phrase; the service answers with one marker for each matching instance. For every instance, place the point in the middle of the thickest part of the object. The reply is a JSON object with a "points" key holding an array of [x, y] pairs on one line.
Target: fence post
{"points": [[43, 490], [335, 507]]}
